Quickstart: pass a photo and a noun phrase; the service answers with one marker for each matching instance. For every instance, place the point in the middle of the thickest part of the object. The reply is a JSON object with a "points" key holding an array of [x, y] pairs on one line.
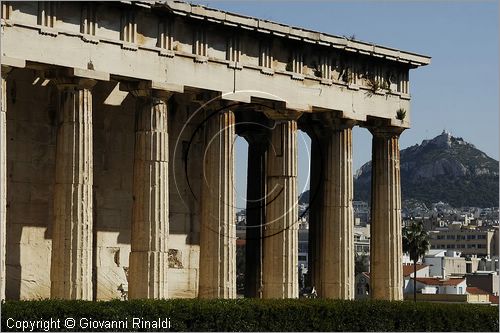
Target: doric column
{"points": [[3, 180], [255, 213], [71, 268], [218, 215], [148, 262], [386, 276], [280, 271], [337, 239]]}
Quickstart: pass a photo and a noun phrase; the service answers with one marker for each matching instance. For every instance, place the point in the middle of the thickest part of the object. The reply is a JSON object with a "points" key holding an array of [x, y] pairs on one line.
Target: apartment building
{"points": [[467, 240]]}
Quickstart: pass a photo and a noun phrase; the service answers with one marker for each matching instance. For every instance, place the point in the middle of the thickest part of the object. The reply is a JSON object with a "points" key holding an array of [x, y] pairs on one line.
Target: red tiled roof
{"points": [[408, 269], [476, 291], [493, 299], [440, 282]]}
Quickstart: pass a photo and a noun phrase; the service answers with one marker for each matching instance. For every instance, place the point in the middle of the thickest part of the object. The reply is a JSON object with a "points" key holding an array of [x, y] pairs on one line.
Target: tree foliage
{"points": [[415, 241], [229, 315], [416, 244]]}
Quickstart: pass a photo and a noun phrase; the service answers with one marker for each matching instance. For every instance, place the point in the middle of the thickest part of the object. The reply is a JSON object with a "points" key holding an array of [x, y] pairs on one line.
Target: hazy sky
{"points": [[457, 92]]}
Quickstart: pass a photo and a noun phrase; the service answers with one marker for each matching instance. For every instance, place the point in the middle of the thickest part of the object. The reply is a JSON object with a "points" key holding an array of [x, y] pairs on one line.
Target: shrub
{"points": [[264, 315]]}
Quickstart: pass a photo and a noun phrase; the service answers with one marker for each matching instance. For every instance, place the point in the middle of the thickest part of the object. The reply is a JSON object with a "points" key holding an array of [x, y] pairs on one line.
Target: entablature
{"points": [[188, 45]]}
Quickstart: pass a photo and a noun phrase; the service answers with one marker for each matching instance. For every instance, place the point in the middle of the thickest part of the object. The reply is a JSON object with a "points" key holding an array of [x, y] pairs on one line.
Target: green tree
{"points": [[416, 244], [240, 269], [361, 263]]}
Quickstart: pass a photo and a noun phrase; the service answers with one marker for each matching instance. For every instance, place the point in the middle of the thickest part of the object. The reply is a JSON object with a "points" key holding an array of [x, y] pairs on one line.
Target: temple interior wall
{"points": [[31, 149], [184, 196], [113, 180]]}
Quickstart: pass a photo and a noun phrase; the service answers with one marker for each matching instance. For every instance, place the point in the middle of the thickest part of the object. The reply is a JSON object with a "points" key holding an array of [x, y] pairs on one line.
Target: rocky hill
{"points": [[445, 169]]}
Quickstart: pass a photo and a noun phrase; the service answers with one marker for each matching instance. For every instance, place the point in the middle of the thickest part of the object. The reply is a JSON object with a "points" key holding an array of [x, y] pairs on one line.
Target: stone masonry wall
{"points": [[113, 178], [184, 192], [31, 140]]}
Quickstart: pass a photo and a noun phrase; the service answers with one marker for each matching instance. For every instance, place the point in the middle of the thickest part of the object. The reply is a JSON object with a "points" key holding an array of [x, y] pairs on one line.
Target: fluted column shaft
{"points": [[386, 277], [71, 265], [218, 230], [3, 181], [280, 272], [149, 238], [337, 242], [255, 216]]}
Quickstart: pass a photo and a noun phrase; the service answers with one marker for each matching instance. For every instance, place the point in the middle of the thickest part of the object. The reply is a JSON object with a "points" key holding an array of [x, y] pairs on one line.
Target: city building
{"points": [[303, 247], [484, 280], [362, 240], [361, 213], [471, 240], [446, 263], [433, 289], [452, 290], [408, 273], [433, 285]]}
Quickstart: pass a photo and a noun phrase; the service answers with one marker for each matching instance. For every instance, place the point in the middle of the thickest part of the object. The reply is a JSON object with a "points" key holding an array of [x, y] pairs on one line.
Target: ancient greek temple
{"points": [[118, 123]]}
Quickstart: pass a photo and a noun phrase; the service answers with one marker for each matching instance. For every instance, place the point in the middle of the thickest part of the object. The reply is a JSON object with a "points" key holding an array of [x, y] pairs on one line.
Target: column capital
{"points": [[323, 124], [68, 82], [204, 99], [217, 104], [149, 89], [385, 131], [71, 78], [5, 71], [260, 137], [281, 115], [252, 125], [155, 96], [330, 123], [256, 133], [9, 63]]}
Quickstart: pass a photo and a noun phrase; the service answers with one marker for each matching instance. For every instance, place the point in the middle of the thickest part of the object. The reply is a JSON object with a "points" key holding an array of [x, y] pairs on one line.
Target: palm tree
{"points": [[416, 243]]}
